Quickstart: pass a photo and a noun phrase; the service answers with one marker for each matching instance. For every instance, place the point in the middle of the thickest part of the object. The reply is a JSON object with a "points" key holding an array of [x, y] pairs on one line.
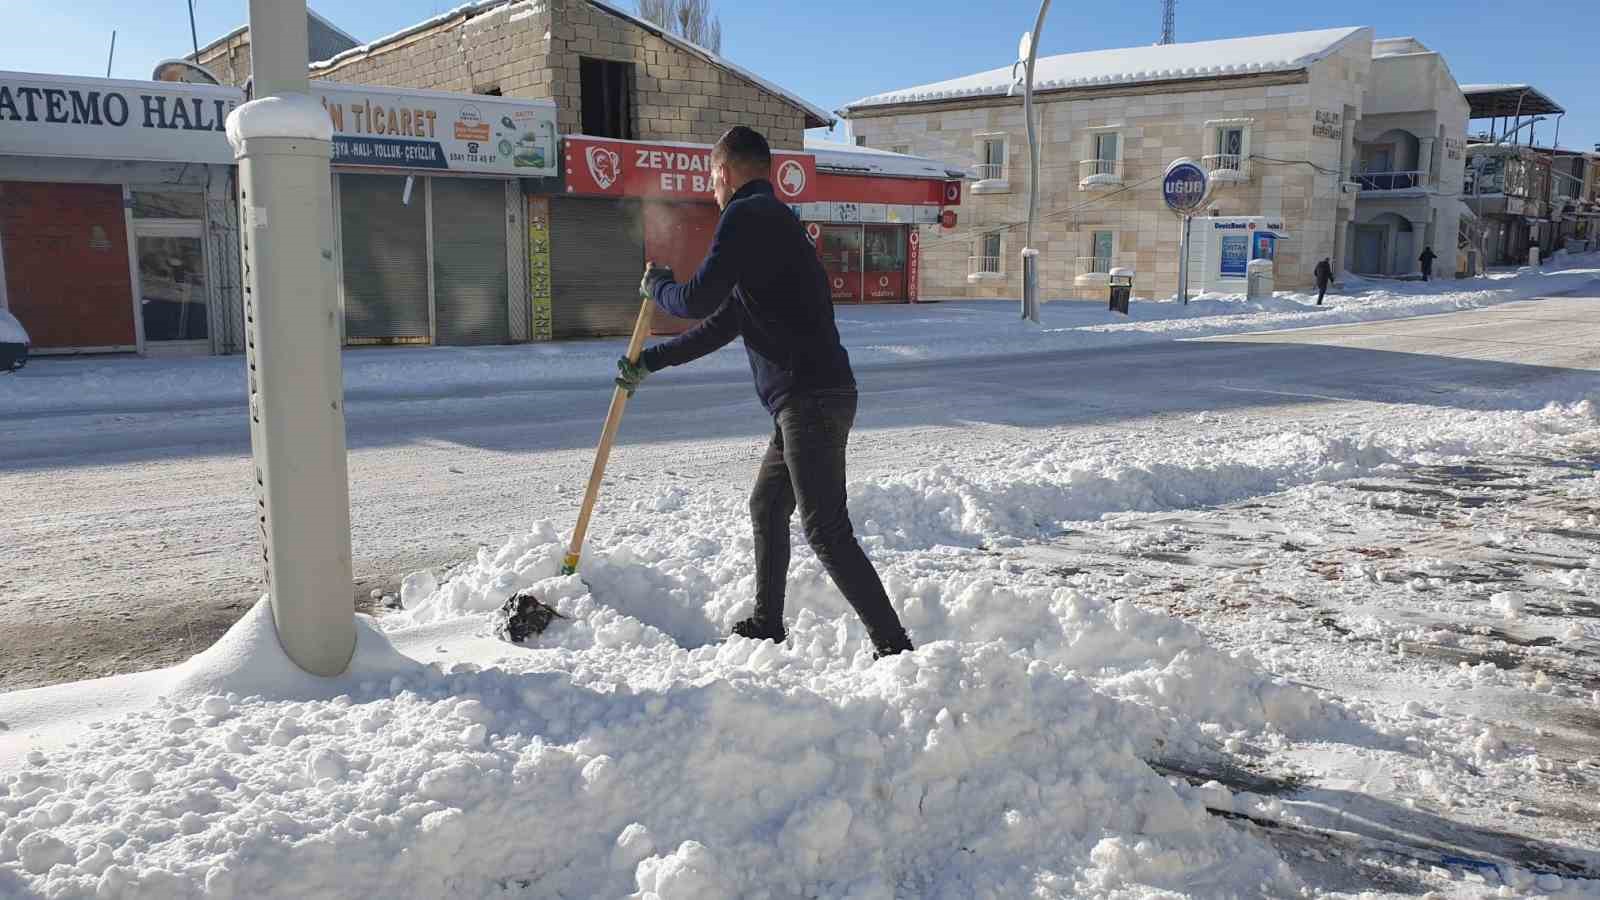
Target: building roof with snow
{"points": [[848, 159], [1273, 53]]}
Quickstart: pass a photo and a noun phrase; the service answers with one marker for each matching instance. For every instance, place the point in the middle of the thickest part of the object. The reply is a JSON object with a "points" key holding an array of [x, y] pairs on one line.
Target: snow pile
{"points": [[249, 660], [738, 770]]}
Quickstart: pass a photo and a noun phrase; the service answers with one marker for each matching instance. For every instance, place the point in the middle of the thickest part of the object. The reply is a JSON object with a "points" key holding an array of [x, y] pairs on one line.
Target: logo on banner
{"points": [[814, 231], [952, 192], [883, 281], [792, 178], [605, 166], [838, 284], [915, 238]]}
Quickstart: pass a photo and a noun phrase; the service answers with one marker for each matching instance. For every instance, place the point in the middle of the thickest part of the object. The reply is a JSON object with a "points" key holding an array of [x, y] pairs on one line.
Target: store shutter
{"points": [[596, 258], [469, 261], [385, 260], [66, 264]]}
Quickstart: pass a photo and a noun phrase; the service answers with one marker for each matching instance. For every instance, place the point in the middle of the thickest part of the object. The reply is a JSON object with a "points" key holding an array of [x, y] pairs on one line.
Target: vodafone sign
{"points": [[635, 169]]}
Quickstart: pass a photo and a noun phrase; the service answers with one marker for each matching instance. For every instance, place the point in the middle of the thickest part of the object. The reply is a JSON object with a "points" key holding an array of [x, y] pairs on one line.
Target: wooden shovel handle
{"points": [[602, 453]]}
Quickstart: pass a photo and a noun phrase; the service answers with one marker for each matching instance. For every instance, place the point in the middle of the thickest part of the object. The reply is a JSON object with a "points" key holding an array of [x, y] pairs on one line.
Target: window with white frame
{"points": [[988, 261], [992, 150], [1104, 162], [1102, 245], [1228, 155]]}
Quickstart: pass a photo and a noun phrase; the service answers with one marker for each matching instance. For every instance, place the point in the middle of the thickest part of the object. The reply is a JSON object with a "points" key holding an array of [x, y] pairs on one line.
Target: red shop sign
{"points": [[633, 169], [914, 240]]}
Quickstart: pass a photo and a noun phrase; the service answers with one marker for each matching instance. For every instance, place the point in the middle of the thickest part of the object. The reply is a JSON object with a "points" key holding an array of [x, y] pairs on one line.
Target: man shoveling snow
{"points": [[762, 281]]}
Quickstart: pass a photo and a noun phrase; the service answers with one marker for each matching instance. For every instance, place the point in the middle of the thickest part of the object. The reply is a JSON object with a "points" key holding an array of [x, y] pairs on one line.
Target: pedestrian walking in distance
{"points": [[1427, 259], [1324, 275], [762, 281]]}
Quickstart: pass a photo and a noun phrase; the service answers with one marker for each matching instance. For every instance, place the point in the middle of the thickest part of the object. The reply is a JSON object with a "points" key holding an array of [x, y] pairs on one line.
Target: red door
{"points": [[885, 255], [840, 249], [67, 277], [677, 235]]}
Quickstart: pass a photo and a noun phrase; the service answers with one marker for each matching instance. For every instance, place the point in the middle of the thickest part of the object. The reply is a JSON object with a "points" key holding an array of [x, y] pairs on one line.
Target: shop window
{"points": [[607, 101], [169, 205]]}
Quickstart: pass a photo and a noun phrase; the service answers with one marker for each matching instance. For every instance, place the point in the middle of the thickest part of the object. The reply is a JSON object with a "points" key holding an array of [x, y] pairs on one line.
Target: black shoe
{"points": [[761, 630], [900, 644]]}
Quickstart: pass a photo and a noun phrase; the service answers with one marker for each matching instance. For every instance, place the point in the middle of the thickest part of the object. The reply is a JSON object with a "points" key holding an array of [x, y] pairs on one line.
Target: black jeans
{"points": [[1322, 291], [805, 466]]}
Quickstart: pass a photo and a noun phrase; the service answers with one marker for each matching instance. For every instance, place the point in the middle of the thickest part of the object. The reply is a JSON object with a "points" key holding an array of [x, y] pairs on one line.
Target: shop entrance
{"points": [[172, 286]]}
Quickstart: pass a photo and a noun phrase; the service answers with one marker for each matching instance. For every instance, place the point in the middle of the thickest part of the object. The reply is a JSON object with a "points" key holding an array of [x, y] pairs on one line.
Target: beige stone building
{"points": [[610, 73], [1272, 118], [1408, 164]]}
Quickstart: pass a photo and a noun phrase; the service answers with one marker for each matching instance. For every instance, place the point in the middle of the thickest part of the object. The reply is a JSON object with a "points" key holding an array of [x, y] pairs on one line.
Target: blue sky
{"points": [[833, 51]]}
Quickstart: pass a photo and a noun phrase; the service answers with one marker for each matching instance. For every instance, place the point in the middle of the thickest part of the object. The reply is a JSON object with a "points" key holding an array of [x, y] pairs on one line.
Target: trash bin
{"points": [[1533, 256], [1121, 283], [1258, 279]]}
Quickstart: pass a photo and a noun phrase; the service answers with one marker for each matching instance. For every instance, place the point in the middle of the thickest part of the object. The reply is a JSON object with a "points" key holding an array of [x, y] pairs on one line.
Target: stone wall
{"points": [[1155, 124], [229, 59], [533, 49]]}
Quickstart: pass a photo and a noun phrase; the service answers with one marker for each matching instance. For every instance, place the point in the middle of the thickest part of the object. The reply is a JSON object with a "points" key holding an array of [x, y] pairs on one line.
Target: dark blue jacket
{"points": [[761, 281]]}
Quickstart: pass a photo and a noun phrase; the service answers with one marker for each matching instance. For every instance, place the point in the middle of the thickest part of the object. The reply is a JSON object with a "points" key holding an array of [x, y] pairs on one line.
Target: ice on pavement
{"points": [[874, 335]]}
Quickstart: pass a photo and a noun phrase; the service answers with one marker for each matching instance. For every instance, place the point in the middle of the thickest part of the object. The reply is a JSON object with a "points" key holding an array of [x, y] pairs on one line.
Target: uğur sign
{"points": [[635, 169]]}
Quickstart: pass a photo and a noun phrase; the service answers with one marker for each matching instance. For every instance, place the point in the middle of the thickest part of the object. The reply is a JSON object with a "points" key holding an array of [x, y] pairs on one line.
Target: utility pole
{"points": [[1030, 256], [283, 142]]}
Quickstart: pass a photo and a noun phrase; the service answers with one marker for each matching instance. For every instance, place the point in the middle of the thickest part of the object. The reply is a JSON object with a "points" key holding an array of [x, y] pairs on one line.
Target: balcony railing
{"points": [[989, 171], [1100, 171], [1390, 181], [1227, 165], [1094, 265], [983, 265]]}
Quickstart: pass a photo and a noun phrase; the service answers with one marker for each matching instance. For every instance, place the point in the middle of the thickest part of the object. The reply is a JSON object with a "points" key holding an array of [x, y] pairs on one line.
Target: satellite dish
{"points": [[184, 71]]}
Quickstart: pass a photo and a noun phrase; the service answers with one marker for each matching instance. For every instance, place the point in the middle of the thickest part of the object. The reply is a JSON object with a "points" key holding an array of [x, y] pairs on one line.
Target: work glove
{"points": [[654, 277], [632, 374]]}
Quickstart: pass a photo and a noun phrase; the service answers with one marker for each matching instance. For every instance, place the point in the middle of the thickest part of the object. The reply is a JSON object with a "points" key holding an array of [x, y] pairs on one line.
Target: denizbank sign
{"points": [[101, 118]]}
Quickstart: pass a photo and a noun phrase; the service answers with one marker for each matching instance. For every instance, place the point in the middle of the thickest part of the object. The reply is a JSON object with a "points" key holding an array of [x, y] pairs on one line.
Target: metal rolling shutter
{"points": [[385, 259], [596, 257], [469, 261]]}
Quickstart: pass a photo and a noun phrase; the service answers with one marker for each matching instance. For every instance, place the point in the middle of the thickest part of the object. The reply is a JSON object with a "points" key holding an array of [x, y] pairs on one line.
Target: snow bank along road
{"points": [[1283, 614]]}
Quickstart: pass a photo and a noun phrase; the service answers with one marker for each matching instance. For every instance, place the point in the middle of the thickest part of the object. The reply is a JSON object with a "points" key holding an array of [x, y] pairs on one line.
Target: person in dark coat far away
{"points": [[762, 281], [1427, 259], [1324, 275]]}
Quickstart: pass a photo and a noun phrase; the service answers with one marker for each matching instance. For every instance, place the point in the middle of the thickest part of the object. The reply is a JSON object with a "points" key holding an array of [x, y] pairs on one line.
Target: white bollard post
{"points": [[283, 141]]}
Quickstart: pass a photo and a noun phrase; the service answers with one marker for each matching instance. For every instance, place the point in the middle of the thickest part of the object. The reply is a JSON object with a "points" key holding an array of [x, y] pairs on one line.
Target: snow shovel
{"points": [[524, 615], [602, 453]]}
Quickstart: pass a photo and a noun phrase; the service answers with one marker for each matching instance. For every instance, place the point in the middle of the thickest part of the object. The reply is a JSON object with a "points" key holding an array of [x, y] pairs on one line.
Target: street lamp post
{"points": [[283, 142], [1030, 256]]}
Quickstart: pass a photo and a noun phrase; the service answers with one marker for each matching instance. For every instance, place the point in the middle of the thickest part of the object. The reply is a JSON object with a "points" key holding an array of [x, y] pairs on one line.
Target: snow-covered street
{"points": [[1268, 613]]}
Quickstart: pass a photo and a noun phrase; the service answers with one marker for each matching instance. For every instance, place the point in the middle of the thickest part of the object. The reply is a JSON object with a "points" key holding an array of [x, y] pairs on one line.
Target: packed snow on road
{"points": [[1207, 655]]}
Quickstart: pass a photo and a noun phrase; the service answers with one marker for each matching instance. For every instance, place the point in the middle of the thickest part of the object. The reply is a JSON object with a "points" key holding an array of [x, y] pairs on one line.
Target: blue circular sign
{"points": [[1184, 187]]}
